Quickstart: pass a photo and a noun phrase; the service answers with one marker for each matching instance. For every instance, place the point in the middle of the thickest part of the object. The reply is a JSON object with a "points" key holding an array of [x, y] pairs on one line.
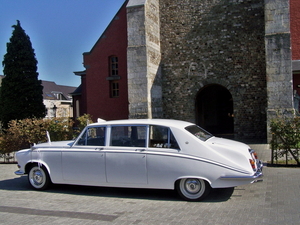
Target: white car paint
{"points": [[220, 162]]}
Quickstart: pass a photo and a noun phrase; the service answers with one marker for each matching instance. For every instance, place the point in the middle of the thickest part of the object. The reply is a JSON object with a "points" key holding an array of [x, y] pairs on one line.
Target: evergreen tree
{"points": [[21, 93]]}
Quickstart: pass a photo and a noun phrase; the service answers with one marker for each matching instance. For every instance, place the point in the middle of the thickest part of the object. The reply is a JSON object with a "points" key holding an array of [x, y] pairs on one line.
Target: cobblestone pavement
{"points": [[273, 201]]}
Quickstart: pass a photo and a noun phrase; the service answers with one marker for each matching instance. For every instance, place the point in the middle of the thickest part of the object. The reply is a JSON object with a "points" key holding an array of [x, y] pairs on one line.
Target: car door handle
{"points": [[99, 149], [140, 150]]}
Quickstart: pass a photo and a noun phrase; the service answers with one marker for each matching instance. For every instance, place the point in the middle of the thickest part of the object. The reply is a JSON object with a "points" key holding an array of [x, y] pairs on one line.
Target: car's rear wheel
{"points": [[193, 189], [38, 177]]}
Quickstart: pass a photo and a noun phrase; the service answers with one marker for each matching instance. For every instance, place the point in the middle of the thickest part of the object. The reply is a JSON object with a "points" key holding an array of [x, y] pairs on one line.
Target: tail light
{"points": [[252, 163], [254, 154], [254, 159]]}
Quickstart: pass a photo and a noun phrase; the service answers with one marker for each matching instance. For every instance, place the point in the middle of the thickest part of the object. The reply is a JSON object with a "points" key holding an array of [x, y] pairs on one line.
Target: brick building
{"points": [[295, 37], [225, 65], [103, 89]]}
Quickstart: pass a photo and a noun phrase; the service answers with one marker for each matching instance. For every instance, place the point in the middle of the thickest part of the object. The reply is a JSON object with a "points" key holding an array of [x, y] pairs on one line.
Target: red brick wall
{"points": [[112, 42], [295, 28]]}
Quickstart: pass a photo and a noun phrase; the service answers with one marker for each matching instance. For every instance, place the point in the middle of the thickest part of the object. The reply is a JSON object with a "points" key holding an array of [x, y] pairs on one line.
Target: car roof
{"points": [[162, 122]]}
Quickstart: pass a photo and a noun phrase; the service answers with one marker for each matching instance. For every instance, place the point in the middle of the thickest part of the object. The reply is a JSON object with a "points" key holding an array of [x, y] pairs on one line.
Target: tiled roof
{"points": [[52, 91], [77, 91]]}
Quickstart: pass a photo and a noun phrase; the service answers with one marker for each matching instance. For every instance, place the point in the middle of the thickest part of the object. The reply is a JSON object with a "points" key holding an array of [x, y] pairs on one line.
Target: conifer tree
{"points": [[21, 93]]}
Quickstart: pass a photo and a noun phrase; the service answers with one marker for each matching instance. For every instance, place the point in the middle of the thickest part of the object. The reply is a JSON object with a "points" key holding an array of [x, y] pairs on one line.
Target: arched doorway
{"points": [[214, 110]]}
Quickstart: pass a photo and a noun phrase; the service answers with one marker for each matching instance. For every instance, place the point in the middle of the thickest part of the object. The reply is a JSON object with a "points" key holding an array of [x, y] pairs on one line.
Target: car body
{"points": [[143, 153]]}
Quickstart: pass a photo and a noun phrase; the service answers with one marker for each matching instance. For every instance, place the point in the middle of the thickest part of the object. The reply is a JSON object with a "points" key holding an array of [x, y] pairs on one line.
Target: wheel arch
{"points": [[36, 163], [196, 177]]}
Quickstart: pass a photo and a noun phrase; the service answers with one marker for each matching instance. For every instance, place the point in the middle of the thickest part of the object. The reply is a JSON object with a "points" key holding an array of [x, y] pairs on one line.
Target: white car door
{"points": [[164, 163], [126, 156], [84, 163]]}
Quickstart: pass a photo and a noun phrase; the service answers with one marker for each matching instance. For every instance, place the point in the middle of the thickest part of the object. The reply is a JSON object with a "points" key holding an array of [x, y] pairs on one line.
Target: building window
{"points": [[114, 89], [113, 77], [114, 66], [59, 95]]}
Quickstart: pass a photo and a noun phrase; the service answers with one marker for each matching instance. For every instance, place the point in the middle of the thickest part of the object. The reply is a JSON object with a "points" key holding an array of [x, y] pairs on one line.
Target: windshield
{"points": [[198, 132]]}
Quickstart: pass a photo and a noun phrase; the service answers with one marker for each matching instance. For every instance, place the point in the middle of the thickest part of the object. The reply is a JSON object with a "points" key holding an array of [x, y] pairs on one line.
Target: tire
{"points": [[193, 189], [39, 178]]}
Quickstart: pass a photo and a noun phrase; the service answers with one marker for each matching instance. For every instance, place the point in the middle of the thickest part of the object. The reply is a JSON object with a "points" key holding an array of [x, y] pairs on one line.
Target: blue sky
{"points": [[59, 30]]}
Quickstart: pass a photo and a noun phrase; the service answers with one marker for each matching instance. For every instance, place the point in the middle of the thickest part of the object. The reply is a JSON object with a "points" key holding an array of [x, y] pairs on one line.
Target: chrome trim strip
{"points": [[176, 154]]}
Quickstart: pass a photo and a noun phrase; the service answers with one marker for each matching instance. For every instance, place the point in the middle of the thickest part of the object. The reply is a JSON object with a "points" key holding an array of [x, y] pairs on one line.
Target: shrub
{"points": [[285, 139], [60, 129], [84, 120], [22, 134]]}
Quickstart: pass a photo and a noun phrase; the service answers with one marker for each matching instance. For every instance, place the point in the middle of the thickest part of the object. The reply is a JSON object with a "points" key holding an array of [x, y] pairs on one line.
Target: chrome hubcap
{"points": [[37, 177], [192, 186]]}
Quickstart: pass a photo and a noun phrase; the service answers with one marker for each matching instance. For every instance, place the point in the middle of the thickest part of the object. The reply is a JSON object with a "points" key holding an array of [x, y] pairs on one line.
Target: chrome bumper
{"points": [[259, 173], [255, 178], [20, 173]]}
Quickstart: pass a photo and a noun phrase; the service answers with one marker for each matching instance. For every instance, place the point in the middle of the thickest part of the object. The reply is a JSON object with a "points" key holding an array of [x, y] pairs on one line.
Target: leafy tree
{"points": [[21, 91]]}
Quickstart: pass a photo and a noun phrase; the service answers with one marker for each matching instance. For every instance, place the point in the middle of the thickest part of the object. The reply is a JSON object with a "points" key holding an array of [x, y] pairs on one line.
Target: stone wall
{"points": [[178, 48], [154, 90], [136, 62], [225, 40], [144, 75], [278, 59]]}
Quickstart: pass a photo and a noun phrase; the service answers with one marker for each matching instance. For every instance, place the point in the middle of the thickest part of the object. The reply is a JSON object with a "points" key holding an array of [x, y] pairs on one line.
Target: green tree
{"points": [[21, 93]]}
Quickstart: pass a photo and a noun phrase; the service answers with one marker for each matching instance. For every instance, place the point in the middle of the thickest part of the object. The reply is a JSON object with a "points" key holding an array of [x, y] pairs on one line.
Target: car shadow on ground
{"points": [[21, 184], [15, 184]]}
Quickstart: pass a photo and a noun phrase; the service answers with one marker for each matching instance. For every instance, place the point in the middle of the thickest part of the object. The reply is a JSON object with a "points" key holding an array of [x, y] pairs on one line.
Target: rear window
{"points": [[162, 137], [198, 132]]}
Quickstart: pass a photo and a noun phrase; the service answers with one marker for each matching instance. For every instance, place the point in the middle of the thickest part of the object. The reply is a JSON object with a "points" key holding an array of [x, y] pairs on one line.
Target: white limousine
{"points": [[142, 153]]}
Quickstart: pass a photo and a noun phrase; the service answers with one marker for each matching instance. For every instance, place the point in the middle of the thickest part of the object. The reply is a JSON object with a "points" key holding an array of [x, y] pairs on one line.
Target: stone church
{"points": [[222, 64]]}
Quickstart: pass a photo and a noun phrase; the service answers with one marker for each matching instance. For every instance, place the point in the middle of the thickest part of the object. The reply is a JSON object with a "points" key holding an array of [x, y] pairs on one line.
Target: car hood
{"points": [[55, 144]]}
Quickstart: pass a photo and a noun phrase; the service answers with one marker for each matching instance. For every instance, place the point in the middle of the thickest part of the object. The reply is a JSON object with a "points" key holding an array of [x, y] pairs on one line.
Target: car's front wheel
{"points": [[193, 189], [38, 177]]}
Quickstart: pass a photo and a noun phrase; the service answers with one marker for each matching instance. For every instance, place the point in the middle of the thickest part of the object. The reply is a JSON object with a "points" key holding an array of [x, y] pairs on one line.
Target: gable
{"points": [[110, 26]]}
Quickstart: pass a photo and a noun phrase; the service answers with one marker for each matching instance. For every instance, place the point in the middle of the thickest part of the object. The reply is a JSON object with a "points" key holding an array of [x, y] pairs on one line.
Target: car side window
{"points": [[94, 136], [128, 136], [162, 137]]}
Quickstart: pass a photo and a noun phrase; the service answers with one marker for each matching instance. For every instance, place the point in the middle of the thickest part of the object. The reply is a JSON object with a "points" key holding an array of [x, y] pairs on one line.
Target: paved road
{"points": [[276, 200]]}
